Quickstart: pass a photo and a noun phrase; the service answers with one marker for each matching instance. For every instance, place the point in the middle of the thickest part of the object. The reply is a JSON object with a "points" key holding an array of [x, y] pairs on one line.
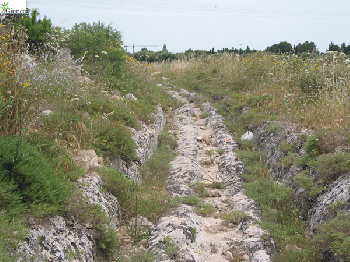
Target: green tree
{"points": [[305, 47], [345, 49], [37, 30], [97, 44], [282, 47], [333, 47]]}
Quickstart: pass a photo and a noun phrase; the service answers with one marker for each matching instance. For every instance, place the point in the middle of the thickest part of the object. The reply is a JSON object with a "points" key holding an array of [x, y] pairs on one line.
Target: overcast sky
{"points": [[204, 24]]}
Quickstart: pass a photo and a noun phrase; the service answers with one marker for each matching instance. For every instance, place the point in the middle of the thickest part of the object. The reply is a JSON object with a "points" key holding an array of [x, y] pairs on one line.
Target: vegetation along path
{"points": [[216, 221]]}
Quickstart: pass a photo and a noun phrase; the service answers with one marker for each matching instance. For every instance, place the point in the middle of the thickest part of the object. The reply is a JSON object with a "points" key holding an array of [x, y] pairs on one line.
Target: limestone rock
{"points": [[90, 187], [130, 97], [88, 160], [55, 238], [247, 136]]}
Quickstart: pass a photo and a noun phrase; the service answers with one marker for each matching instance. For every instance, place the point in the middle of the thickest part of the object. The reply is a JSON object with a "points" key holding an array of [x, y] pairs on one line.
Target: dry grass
{"points": [[311, 91]]}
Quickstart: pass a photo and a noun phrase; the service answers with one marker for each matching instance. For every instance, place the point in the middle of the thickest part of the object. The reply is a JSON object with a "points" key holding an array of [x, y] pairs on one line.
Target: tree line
{"points": [[82, 37]]}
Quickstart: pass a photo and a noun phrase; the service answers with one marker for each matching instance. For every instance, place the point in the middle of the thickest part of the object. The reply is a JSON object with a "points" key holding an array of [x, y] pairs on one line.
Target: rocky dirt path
{"points": [[206, 157]]}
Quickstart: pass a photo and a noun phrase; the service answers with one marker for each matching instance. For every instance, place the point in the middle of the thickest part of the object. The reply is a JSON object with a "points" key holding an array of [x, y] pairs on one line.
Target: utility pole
{"points": [[133, 47]]}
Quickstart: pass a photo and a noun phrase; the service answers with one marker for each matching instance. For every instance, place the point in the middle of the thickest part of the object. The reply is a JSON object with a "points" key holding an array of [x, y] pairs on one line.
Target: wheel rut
{"points": [[207, 165]]}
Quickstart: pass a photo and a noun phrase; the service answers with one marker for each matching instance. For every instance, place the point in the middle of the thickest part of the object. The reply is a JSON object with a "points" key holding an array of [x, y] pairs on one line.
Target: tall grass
{"points": [[309, 90]]}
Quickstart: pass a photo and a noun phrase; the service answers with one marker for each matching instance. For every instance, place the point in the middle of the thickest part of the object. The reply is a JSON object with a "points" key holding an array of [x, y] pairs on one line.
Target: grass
{"points": [[200, 207], [234, 217]]}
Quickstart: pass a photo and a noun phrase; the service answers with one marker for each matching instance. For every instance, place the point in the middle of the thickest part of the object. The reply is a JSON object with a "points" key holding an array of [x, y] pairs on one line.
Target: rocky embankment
{"points": [[316, 209], [209, 237], [206, 155], [61, 238]]}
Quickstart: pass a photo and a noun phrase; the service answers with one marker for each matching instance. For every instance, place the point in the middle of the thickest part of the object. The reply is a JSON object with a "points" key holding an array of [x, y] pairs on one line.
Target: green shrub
{"points": [[37, 30], [12, 230], [123, 188], [268, 192], [102, 106], [114, 139], [272, 128], [253, 162], [31, 175], [330, 166], [288, 161], [307, 183], [59, 158], [334, 236]]}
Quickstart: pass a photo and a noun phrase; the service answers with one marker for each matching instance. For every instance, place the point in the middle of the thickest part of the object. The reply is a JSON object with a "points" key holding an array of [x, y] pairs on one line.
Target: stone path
{"points": [[186, 236]]}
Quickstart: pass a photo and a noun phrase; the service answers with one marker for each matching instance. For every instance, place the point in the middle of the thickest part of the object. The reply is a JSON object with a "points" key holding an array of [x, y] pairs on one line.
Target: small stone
{"points": [[247, 136], [47, 112], [206, 161], [143, 243], [214, 193], [214, 248], [228, 256], [208, 183]]}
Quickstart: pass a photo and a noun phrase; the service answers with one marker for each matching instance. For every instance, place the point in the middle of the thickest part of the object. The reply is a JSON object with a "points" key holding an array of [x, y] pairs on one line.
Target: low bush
{"points": [[306, 182], [32, 177], [114, 139], [334, 236], [330, 166]]}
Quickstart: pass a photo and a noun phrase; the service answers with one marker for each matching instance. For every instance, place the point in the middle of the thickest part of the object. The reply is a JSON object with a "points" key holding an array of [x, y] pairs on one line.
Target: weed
{"points": [[171, 249], [166, 140], [336, 206], [200, 207], [121, 187], [218, 185], [234, 217], [200, 190], [272, 128], [260, 100], [253, 162], [140, 256], [265, 237], [204, 115], [220, 151]]}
